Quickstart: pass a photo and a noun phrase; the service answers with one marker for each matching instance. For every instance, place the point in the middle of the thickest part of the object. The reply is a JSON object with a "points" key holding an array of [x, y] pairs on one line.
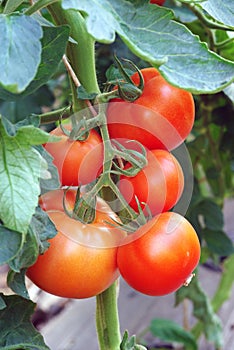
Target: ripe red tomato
{"points": [[160, 256], [159, 184], [78, 162], [162, 117], [81, 260], [157, 2]]}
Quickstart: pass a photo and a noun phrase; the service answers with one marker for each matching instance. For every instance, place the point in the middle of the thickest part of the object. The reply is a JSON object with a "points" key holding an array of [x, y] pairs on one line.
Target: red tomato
{"points": [[160, 256], [159, 184], [157, 2], [78, 162], [81, 260], [162, 117]]}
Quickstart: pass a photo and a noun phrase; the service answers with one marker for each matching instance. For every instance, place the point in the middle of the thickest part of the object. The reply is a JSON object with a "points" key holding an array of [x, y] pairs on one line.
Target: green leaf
{"points": [[25, 106], [2, 303], [150, 33], [40, 230], [52, 182], [221, 10], [129, 343], [16, 329], [12, 5], [212, 213], [20, 52], [229, 91], [43, 228], [53, 47], [223, 291], [84, 95], [16, 281], [203, 311], [168, 330], [182, 13], [218, 242], [9, 251], [20, 169]]}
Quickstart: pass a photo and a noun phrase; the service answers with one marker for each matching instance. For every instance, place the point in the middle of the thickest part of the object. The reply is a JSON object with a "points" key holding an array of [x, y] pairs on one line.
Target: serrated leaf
{"points": [[221, 10], [2, 303], [223, 290], [168, 330], [129, 343], [16, 329], [152, 35], [16, 281], [19, 176], [20, 52], [203, 311], [43, 228], [212, 213], [40, 230], [26, 106], [9, 251], [218, 242], [53, 47], [52, 182]]}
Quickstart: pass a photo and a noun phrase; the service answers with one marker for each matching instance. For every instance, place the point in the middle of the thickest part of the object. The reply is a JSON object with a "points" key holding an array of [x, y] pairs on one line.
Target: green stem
{"points": [[81, 54], [107, 319], [54, 116]]}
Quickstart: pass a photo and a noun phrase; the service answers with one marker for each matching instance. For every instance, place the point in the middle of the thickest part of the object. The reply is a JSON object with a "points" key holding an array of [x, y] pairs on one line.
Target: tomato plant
{"points": [[57, 60], [162, 117], [158, 185], [160, 256], [81, 259], [157, 2], [78, 162]]}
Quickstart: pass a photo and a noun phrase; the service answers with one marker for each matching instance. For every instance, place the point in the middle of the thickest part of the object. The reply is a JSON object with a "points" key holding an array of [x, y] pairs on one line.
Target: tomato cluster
{"points": [[84, 259]]}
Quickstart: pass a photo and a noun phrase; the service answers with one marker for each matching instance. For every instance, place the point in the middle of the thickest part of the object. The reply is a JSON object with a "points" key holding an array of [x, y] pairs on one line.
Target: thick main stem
{"points": [[107, 319], [81, 53]]}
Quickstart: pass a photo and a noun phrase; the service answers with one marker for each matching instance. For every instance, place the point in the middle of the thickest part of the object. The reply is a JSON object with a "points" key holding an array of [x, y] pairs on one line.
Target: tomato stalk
{"points": [[81, 54], [107, 322]]}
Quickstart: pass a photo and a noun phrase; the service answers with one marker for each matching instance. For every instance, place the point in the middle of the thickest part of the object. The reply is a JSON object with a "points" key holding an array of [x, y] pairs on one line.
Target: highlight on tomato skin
{"points": [[161, 118], [161, 256], [158, 186], [81, 260]]}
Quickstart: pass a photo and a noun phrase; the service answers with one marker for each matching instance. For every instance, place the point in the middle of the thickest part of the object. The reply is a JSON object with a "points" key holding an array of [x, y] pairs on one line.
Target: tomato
{"points": [[157, 2], [159, 184], [160, 256], [161, 118], [78, 162], [81, 261]]}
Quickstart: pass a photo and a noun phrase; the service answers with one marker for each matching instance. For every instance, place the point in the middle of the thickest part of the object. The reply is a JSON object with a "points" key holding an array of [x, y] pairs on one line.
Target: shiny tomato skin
{"points": [[161, 118], [159, 184], [160, 256], [78, 162], [81, 261], [157, 2]]}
